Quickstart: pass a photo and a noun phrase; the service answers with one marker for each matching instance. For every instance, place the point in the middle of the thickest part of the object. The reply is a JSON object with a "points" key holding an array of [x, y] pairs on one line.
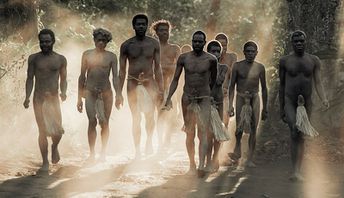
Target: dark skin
{"points": [[47, 70], [228, 59], [168, 59], [199, 67], [246, 75], [96, 65], [297, 72], [143, 55], [217, 93]]}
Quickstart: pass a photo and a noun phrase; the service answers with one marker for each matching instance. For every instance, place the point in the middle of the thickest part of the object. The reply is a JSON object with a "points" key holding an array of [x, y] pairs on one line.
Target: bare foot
{"points": [[55, 155], [102, 157], [201, 173], [90, 160], [192, 170], [216, 166], [250, 164], [44, 167], [296, 177]]}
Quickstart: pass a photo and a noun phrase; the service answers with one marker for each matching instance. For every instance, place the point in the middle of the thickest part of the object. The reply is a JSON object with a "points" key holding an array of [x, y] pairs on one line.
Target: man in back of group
{"points": [[168, 59]]}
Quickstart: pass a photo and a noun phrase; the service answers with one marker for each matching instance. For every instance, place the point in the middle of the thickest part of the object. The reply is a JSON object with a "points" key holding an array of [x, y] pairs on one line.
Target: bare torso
{"points": [[140, 54], [228, 59], [298, 75], [168, 59], [197, 73], [248, 75], [98, 66], [46, 71]]}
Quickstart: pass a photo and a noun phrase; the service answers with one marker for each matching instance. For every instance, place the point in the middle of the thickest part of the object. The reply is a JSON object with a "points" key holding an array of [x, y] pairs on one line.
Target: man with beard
{"points": [[200, 75], [46, 69], [145, 81], [94, 85], [297, 71], [168, 58]]}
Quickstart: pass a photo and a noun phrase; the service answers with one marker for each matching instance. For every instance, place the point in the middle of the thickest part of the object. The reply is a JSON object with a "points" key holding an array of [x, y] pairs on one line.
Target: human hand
{"points": [[283, 116], [326, 104], [26, 103], [160, 98], [63, 96], [168, 105], [225, 92], [80, 105], [231, 112], [119, 101]]}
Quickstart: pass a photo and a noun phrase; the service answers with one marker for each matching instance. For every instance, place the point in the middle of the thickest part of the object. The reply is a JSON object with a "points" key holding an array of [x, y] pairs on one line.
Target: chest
{"points": [[304, 66], [140, 50], [197, 65], [168, 53], [47, 65], [248, 72], [98, 61]]}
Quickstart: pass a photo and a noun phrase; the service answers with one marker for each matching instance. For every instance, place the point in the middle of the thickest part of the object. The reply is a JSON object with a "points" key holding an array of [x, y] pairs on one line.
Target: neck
{"points": [[47, 53], [300, 53], [100, 49], [163, 42], [198, 53], [140, 37]]}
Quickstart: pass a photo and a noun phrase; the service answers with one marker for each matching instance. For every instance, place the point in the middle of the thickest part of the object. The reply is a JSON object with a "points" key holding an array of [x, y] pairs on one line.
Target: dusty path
{"points": [[164, 176]]}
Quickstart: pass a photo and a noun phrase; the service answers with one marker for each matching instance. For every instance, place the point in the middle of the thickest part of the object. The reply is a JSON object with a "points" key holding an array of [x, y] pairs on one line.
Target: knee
{"points": [[92, 122]]}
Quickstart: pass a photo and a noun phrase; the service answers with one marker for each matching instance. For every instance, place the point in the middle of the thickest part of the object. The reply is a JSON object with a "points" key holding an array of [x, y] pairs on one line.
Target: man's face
{"points": [[163, 32], [250, 53], [46, 43], [216, 51], [299, 43], [224, 44], [100, 41], [140, 27], [198, 42]]}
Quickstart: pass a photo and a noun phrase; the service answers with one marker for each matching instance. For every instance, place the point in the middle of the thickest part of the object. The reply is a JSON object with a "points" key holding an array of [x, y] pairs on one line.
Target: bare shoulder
{"points": [[33, 57], [127, 42], [315, 58], [223, 65], [87, 52], [61, 57], [153, 41], [232, 55], [110, 54], [210, 57], [175, 47]]}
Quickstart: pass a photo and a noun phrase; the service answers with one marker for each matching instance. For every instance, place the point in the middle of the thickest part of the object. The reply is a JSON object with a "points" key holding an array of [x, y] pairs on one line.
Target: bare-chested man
{"points": [[297, 72], [228, 59], [94, 85], [168, 59], [246, 75], [142, 51], [215, 48], [47, 68], [200, 75]]}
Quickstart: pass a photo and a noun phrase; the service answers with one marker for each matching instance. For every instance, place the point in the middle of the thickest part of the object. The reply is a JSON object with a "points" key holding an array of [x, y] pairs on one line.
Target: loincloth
{"points": [[144, 100], [246, 114], [52, 114], [197, 112]]}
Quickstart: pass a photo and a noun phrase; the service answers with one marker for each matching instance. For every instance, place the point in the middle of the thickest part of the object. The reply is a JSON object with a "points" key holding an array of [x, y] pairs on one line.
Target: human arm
{"points": [[82, 81], [29, 81], [231, 87], [281, 72], [174, 83], [318, 83], [264, 92], [228, 74], [63, 78], [123, 56], [158, 73], [115, 80], [213, 72]]}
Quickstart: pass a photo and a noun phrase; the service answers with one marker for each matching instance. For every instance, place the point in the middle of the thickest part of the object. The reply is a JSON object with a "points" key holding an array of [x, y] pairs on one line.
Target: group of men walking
{"points": [[154, 69]]}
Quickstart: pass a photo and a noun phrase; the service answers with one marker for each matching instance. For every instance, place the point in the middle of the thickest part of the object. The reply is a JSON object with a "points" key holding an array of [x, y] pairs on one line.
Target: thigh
{"points": [[37, 107], [240, 101], [290, 112], [255, 111], [90, 103], [108, 102]]}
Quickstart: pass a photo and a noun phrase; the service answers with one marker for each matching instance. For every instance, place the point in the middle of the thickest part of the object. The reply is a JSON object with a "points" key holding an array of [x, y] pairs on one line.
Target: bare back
{"points": [[46, 70], [247, 76]]}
